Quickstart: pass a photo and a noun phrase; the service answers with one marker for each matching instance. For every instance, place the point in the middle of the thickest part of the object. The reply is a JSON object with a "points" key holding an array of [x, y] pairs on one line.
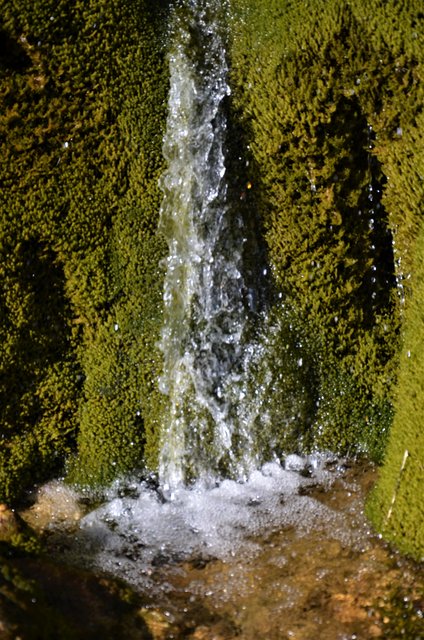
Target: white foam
{"points": [[129, 535]]}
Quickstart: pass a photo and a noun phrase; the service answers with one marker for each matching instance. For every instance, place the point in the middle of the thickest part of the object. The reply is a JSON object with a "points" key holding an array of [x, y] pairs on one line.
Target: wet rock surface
{"points": [[42, 600]]}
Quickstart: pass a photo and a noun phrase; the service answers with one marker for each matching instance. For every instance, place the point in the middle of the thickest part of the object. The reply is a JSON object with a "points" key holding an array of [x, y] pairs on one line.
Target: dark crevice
{"points": [[13, 56]]}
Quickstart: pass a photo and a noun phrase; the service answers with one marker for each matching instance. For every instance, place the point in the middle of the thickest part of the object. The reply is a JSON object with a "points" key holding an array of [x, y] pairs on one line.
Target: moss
{"points": [[396, 505], [330, 116], [333, 120], [38, 385], [327, 122], [80, 135], [121, 414]]}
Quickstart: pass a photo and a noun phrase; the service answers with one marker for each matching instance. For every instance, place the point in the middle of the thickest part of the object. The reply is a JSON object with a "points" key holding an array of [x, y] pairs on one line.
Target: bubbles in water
{"points": [[141, 526]]}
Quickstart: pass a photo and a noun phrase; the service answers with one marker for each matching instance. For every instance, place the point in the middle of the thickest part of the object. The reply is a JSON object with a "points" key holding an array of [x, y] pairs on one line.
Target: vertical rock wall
{"points": [[326, 147], [330, 99], [83, 92], [396, 504]]}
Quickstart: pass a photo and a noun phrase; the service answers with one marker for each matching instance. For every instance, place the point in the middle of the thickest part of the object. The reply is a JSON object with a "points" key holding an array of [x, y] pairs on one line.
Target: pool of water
{"points": [[286, 555]]}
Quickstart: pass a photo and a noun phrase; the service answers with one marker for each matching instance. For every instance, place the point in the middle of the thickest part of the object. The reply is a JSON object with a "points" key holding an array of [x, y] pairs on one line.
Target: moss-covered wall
{"points": [[396, 504], [328, 96], [326, 117], [83, 103], [330, 99]]}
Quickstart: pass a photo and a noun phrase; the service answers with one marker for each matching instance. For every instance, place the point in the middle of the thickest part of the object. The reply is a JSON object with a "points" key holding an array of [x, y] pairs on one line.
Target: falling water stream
{"points": [[225, 546], [207, 304]]}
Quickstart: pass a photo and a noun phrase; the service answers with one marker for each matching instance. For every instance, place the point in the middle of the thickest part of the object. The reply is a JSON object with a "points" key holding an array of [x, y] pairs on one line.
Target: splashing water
{"points": [[204, 340], [137, 529], [288, 551]]}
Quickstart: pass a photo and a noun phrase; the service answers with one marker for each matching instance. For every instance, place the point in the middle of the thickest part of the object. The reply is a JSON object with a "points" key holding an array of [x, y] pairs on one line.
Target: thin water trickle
{"points": [[207, 305]]}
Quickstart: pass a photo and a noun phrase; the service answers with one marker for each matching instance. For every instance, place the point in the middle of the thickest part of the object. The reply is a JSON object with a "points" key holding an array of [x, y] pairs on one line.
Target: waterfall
{"points": [[204, 340]]}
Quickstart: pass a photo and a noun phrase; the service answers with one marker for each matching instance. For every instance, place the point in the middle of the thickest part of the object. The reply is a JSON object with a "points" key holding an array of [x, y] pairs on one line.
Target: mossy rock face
{"points": [[330, 109], [83, 91], [329, 96], [396, 504], [326, 117]]}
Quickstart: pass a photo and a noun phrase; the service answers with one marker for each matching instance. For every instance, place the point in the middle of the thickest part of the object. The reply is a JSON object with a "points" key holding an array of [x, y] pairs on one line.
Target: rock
{"points": [[156, 622], [56, 505], [10, 524]]}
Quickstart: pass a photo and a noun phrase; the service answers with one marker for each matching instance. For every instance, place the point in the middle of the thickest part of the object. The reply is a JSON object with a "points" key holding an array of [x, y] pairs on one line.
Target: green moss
{"points": [[331, 115], [332, 112], [38, 386], [396, 505], [326, 117], [83, 90], [120, 417]]}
